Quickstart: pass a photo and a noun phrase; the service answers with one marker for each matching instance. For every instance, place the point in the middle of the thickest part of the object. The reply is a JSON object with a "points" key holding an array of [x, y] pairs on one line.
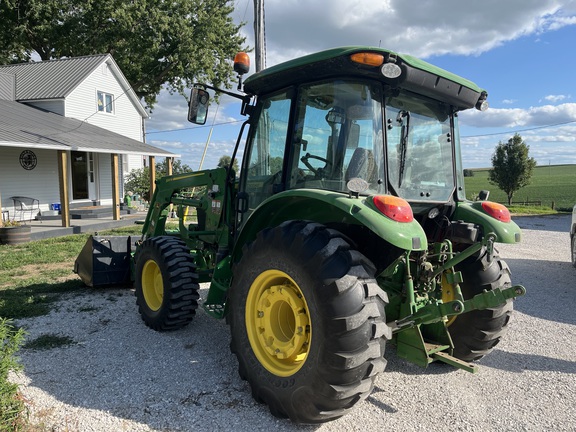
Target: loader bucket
{"points": [[105, 261]]}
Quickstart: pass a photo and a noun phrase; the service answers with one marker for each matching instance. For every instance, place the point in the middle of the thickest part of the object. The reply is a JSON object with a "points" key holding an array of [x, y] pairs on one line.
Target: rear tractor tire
{"points": [[166, 283], [307, 322], [476, 333]]}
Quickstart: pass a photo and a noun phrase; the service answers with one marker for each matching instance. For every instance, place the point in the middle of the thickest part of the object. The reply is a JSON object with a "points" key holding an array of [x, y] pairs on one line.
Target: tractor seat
{"points": [[362, 166]]}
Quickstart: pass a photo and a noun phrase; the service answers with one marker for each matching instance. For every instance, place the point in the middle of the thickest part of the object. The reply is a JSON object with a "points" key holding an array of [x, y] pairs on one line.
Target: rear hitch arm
{"points": [[432, 313]]}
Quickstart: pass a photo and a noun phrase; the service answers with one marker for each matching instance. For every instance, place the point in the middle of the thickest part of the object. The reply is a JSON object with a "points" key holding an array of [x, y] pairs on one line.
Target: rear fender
{"points": [[327, 207], [505, 232]]}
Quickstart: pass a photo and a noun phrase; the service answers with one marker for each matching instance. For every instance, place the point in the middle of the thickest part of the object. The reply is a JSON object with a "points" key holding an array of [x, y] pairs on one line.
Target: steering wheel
{"points": [[316, 171]]}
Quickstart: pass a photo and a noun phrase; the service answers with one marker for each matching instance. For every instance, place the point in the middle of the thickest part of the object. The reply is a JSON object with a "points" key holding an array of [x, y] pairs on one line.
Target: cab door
{"points": [[264, 156]]}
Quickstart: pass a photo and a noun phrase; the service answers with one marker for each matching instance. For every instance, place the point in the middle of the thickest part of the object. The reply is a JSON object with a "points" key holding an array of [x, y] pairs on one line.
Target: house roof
{"points": [[56, 79], [25, 126]]}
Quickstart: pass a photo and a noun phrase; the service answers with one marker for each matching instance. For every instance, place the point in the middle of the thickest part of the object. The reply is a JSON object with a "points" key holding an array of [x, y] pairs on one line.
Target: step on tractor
{"points": [[347, 228]]}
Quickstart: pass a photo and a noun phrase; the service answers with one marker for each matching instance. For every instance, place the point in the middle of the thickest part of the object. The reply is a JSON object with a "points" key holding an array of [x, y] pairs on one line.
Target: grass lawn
{"points": [[33, 275], [553, 185]]}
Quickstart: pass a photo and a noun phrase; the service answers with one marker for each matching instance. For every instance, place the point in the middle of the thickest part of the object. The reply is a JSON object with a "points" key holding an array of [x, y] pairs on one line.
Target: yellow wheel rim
{"points": [[152, 285], [448, 295], [278, 323]]}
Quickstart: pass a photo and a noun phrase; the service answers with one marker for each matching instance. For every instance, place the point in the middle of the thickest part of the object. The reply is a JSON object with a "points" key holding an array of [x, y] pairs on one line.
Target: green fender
{"points": [[506, 232], [327, 207]]}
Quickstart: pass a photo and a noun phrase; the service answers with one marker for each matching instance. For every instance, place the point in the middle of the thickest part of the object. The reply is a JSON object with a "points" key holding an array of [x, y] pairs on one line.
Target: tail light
{"points": [[497, 211], [394, 208]]}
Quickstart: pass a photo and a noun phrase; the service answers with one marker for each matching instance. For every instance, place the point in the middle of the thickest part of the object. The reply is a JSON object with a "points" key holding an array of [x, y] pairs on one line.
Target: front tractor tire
{"points": [[307, 322], [166, 283], [474, 334]]}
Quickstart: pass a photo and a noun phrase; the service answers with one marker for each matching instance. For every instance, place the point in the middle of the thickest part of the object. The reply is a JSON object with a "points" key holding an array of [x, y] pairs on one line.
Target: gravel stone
{"points": [[118, 375]]}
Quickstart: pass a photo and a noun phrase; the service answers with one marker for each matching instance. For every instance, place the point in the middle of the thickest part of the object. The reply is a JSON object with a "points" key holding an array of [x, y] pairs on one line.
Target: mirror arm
{"points": [[243, 98]]}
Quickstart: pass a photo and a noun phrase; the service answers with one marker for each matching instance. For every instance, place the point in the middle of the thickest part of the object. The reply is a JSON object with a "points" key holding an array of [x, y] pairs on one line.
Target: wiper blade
{"points": [[403, 142]]}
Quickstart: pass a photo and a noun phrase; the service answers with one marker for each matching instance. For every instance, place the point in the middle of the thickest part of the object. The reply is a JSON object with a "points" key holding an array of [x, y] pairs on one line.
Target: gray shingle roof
{"points": [[52, 79], [24, 126]]}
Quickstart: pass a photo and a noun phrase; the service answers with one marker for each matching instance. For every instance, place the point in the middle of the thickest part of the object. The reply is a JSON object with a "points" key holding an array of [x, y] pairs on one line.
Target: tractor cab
{"points": [[366, 122], [346, 136]]}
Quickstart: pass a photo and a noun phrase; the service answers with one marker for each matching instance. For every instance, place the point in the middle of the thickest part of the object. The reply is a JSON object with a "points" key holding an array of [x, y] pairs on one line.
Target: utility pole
{"points": [[260, 40]]}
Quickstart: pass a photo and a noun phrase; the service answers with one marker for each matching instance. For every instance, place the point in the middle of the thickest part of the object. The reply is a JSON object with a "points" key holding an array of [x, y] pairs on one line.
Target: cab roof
{"points": [[417, 75]]}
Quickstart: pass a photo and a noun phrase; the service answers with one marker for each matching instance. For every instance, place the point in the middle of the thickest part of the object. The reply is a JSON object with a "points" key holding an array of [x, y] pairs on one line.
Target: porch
{"points": [[53, 228]]}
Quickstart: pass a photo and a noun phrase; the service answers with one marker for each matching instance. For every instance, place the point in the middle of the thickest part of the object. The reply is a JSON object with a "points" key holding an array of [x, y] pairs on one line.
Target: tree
{"points": [[138, 180], [177, 168], [154, 42], [512, 168], [224, 162]]}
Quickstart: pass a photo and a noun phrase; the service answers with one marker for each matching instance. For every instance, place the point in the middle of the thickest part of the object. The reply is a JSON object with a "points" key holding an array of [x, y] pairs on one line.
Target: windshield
{"points": [[338, 143], [419, 149]]}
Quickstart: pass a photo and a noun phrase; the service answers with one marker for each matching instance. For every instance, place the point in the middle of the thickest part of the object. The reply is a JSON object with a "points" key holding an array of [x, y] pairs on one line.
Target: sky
{"points": [[520, 51]]}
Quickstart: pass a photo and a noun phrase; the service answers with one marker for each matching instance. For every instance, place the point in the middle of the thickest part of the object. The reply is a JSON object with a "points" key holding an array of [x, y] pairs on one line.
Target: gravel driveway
{"points": [[121, 376]]}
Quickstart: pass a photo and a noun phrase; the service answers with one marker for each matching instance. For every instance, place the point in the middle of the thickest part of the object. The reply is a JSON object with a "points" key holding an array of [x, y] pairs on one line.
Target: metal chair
{"points": [[24, 206]]}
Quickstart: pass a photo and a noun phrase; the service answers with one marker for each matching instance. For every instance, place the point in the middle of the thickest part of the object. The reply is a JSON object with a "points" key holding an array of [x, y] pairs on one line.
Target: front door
{"points": [[83, 175]]}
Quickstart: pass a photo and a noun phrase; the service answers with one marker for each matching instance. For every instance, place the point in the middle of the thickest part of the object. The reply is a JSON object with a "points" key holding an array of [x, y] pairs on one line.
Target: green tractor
{"points": [[347, 227]]}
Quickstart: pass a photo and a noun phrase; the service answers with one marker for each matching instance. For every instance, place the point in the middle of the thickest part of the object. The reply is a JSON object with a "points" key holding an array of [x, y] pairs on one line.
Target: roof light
{"points": [[394, 208], [497, 211], [367, 58], [391, 70], [482, 104], [241, 63]]}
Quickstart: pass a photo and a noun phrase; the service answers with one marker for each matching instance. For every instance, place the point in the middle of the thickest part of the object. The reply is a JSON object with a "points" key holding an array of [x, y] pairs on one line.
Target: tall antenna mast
{"points": [[259, 35]]}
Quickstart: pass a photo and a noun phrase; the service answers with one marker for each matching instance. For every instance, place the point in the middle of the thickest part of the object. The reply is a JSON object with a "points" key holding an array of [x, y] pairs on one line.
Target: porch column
{"points": [[169, 163], [115, 188], [152, 165], [63, 182]]}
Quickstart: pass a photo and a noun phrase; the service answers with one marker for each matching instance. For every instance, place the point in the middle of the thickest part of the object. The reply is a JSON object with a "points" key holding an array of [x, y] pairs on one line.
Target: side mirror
{"points": [[483, 195], [198, 108]]}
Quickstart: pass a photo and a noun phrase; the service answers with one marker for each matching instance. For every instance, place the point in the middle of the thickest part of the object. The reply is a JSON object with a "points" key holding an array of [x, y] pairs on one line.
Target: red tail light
{"points": [[497, 211], [394, 208]]}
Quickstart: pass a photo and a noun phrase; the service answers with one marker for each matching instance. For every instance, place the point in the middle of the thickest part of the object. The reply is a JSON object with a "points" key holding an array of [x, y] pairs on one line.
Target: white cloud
{"points": [[171, 111], [423, 28], [519, 117], [556, 98]]}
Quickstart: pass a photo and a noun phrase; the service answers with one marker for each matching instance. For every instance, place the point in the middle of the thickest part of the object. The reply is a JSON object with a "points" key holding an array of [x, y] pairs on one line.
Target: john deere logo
{"points": [[28, 160]]}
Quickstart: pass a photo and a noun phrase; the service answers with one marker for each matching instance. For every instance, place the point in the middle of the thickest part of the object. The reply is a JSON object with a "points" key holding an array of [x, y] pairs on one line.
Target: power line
{"points": [[519, 130]]}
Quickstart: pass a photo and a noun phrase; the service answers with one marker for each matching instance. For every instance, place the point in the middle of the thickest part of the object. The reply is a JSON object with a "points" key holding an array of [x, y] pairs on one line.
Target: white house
{"points": [[70, 130]]}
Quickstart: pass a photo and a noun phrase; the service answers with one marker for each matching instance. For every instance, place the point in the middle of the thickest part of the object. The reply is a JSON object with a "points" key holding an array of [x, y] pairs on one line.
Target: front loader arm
{"points": [[169, 190]]}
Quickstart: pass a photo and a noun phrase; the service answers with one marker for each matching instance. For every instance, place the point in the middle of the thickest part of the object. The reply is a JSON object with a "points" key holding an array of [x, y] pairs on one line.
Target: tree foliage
{"points": [[154, 42], [224, 162], [138, 180], [512, 168]]}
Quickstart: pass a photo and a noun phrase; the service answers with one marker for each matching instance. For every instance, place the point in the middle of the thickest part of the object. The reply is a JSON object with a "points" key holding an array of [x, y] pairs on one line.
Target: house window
{"points": [[105, 102]]}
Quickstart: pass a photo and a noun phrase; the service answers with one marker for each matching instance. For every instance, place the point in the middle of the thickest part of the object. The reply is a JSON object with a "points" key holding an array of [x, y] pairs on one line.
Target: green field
{"points": [[551, 184]]}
